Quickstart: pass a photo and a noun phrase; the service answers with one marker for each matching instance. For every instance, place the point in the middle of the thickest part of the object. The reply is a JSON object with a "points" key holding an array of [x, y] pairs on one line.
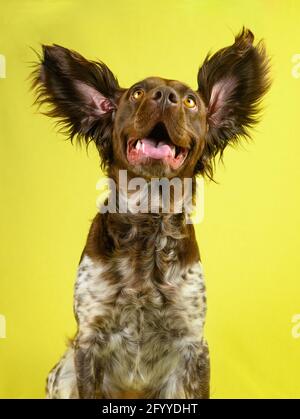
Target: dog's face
{"points": [[157, 127]]}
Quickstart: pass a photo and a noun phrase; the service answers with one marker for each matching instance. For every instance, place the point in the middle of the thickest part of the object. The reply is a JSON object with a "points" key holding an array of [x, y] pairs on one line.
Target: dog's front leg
{"points": [[197, 373], [89, 372]]}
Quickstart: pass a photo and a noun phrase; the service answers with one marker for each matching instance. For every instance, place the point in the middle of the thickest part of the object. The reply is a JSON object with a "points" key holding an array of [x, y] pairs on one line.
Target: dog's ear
{"points": [[82, 94], [231, 83]]}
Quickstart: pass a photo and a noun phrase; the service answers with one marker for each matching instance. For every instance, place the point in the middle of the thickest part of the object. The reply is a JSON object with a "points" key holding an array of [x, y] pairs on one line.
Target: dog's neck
{"points": [[129, 228], [120, 230], [167, 238]]}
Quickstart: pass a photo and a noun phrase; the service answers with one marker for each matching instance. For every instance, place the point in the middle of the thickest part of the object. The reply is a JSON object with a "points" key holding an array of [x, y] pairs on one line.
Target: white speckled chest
{"points": [[143, 331]]}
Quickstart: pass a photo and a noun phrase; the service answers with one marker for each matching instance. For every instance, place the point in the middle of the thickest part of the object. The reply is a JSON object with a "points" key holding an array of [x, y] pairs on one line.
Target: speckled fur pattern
{"points": [[138, 331]]}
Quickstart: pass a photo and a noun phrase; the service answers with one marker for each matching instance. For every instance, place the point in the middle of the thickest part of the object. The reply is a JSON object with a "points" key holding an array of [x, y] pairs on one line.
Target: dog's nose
{"points": [[165, 95]]}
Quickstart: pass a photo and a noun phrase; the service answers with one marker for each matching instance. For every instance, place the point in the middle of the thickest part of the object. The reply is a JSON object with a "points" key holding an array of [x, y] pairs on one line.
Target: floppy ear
{"points": [[82, 94], [231, 83]]}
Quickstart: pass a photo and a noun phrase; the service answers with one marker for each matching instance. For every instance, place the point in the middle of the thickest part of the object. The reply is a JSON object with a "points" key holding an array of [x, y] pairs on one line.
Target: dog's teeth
{"points": [[138, 145], [173, 151]]}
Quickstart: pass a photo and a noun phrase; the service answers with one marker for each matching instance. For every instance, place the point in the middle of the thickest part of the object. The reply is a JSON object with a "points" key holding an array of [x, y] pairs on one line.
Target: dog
{"points": [[140, 300]]}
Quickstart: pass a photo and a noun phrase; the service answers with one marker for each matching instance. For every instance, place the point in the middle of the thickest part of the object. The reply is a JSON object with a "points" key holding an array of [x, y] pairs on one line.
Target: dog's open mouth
{"points": [[158, 146]]}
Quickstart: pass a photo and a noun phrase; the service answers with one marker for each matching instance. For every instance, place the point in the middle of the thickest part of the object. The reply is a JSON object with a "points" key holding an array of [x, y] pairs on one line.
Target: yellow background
{"points": [[249, 239]]}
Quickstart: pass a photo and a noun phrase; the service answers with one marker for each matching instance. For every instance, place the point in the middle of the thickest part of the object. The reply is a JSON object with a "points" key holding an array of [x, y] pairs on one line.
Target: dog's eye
{"points": [[137, 94], [189, 102]]}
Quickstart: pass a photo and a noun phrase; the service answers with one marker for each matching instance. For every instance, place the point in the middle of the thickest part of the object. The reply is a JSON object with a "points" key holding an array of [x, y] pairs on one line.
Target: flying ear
{"points": [[82, 94], [232, 83]]}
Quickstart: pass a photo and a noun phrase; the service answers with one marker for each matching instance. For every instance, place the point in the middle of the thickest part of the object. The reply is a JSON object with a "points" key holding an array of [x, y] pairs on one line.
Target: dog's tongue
{"points": [[154, 149]]}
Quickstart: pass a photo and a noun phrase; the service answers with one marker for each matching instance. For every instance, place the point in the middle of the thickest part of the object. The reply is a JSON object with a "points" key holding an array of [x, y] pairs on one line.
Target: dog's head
{"points": [[157, 127]]}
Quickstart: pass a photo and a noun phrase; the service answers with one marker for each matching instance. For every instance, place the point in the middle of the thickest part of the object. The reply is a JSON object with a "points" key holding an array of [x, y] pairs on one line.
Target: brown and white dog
{"points": [[139, 296]]}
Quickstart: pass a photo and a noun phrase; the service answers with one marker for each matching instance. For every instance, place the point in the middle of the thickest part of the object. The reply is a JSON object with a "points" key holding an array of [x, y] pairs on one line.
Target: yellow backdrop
{"points": [[249, 238]]}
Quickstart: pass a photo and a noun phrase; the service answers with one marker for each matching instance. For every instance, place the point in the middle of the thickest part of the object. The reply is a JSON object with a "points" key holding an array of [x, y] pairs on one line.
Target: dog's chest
{"points": [[137, 321]]}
